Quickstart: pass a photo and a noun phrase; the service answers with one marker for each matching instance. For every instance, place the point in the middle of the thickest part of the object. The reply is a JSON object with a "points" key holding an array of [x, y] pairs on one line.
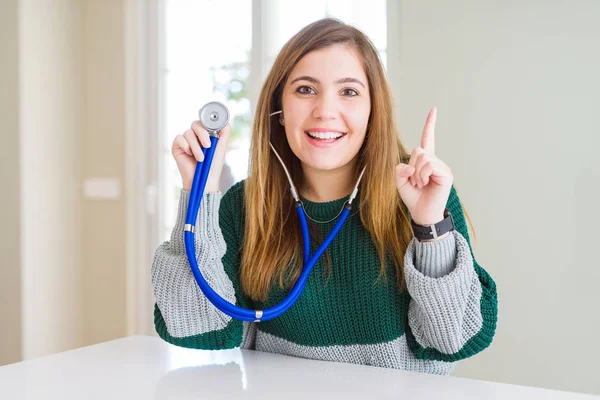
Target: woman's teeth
{"points": [[325, 135]]}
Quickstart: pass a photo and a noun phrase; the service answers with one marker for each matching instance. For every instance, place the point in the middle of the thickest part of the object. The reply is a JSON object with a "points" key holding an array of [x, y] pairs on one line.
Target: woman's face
{"points": [[326, 107]]}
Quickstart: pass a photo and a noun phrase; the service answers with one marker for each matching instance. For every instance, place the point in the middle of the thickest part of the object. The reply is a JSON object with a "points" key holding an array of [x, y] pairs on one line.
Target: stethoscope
{"points": [[214, 117]]}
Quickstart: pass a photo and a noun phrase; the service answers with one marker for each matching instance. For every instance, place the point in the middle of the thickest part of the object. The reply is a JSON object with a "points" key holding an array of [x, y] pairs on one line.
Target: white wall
{"points": [[10, 262], [62, 120], [50, 109], [517, 90]]}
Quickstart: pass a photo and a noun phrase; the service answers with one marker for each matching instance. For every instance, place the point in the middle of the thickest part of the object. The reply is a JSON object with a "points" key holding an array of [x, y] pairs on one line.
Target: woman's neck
{"points": [[321, 186]]}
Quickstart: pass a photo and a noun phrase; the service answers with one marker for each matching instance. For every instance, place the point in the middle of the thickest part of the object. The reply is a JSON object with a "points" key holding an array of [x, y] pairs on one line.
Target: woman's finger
{"points": [[425, 173], [192, 140], [201, 133], [428, 136], [421, 161], [403, 174], [417, 151], [181, 143], [428, 165], [440, 173]]}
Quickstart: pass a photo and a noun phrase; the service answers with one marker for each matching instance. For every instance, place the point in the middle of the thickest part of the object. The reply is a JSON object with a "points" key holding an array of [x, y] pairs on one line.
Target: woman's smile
{"points": [[324, 137]]}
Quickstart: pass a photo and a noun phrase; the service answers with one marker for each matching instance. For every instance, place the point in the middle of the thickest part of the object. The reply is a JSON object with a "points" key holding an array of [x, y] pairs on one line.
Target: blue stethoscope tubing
{"points": [[196, 195]]}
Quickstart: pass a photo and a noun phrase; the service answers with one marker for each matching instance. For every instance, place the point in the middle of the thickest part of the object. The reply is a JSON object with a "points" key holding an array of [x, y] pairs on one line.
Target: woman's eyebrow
{"points": [[316, 81], [350, 80]]}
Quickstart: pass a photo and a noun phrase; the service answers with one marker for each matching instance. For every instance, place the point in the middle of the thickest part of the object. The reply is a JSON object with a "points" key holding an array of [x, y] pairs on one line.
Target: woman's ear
{"points": [[281, 120]]}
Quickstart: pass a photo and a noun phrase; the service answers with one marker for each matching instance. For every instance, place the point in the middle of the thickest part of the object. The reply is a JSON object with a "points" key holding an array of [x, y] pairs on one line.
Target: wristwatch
{"points": [[428, 232]]}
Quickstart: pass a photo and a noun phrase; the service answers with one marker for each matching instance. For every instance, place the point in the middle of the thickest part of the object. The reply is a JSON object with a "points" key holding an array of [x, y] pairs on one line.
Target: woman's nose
{"points": [[325, 108]]}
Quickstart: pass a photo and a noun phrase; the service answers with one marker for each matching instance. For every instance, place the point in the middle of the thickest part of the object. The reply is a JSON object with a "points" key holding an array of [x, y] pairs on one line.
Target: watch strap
{"points": [[429, 232]]}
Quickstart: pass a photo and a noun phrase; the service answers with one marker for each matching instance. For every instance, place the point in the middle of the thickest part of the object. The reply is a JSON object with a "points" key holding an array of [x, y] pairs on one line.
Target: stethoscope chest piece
{"points": [[214, 116]]}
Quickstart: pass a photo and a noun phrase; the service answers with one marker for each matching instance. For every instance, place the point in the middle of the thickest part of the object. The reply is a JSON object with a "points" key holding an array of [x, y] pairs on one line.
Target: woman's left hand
{"points": [[424, 183]]}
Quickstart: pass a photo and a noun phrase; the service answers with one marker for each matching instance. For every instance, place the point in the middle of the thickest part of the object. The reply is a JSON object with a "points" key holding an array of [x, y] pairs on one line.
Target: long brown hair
{"points": [[272, 247]]}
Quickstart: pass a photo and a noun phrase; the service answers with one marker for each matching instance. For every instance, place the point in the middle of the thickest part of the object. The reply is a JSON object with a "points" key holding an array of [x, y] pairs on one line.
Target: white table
{"points": [[144, 367]]}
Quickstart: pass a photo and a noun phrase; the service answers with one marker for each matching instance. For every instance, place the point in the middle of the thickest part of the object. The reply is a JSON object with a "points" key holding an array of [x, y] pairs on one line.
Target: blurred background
{"points": [[93, 92]]}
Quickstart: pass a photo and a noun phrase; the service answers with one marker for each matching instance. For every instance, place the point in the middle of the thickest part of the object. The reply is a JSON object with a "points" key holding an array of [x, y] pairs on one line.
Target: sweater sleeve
{"points": [[183, 316], [453, 302]]}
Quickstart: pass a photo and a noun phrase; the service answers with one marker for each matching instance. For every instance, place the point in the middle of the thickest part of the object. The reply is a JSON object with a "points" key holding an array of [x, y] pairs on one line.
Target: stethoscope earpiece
{"points": [[281, 120]]}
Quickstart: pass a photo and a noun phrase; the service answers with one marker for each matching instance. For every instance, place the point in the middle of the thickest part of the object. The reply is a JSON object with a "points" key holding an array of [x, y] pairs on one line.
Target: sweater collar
{"points": [[323, 211]]}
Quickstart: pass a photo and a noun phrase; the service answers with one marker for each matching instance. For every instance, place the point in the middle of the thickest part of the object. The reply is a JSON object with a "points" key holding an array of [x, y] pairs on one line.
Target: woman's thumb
{"points": [[403, 172]]}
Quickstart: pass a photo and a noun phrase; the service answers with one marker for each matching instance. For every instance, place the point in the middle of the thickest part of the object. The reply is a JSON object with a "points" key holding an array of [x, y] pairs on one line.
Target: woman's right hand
{"points": [[187, 151]]}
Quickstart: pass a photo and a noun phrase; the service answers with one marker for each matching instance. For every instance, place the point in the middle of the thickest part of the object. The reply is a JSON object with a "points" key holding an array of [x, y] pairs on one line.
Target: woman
{"points": [[379, 296]]}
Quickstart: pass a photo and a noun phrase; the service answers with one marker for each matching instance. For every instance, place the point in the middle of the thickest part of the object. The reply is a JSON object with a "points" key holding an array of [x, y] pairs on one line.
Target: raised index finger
{"points": [[428, 137]]}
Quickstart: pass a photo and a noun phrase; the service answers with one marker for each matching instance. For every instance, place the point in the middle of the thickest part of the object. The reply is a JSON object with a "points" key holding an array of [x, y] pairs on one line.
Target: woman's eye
{"points": [[305, 90], [349, 92]]}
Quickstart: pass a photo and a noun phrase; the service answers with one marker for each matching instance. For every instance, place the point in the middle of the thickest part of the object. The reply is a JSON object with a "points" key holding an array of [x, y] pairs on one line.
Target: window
{"points": [[208, 56], [285, 18]]}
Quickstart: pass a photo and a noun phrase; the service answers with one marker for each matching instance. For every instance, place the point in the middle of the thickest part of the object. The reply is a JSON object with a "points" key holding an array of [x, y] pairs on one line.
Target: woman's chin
{"points": [[320, 165]]}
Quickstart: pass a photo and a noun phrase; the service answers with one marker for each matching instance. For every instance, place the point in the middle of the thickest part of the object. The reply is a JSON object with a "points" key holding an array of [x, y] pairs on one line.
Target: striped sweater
{"points": [[345, 314]]}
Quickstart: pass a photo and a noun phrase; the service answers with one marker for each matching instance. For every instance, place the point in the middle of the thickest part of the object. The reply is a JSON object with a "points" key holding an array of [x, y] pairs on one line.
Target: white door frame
{"points": [[143, 84]]}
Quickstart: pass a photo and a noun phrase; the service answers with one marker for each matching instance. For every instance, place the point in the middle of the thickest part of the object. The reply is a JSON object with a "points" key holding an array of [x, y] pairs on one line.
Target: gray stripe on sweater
{"points": [[444, 311], [394, 354], [249, 336], [185, 309]]}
